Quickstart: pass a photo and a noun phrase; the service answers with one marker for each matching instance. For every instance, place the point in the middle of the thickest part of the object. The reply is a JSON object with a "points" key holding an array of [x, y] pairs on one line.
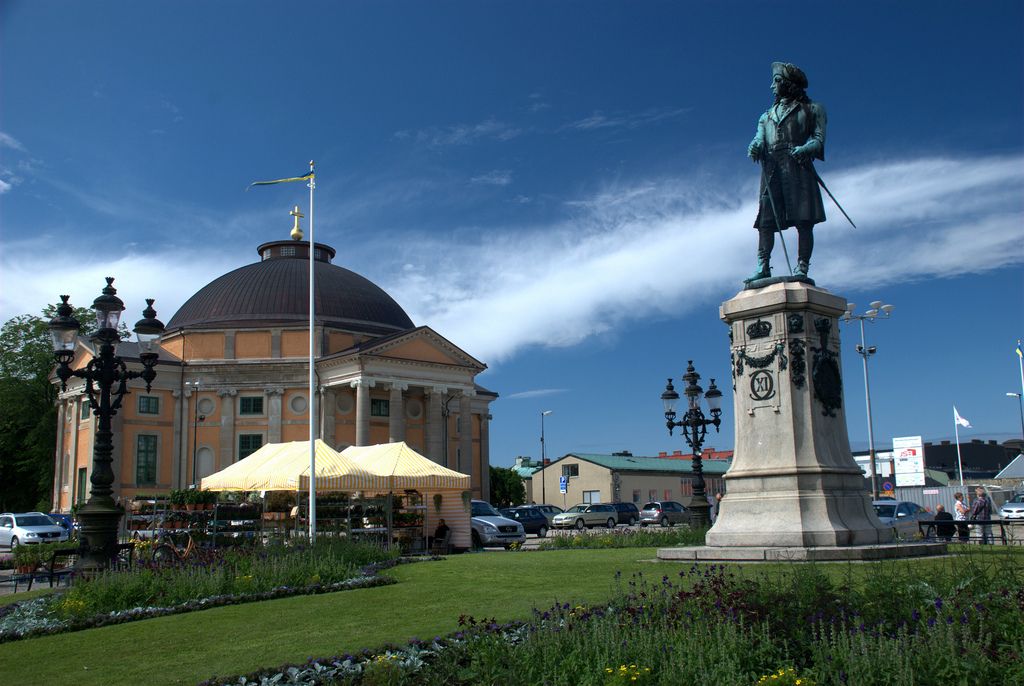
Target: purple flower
{"points": [[938, 603]]}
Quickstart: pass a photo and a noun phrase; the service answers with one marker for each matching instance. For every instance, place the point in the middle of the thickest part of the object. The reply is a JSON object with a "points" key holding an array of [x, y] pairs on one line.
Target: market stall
{"points": [[419, 485]]}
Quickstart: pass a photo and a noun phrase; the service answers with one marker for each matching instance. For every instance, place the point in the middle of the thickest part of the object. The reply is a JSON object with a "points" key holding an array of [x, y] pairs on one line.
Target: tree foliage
{"points": [[506, 487], [28, 413]]}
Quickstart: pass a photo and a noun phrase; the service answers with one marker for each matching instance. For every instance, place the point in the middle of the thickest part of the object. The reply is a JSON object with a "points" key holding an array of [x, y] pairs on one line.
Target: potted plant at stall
{"points": [[177, 498], [209, 499], [26, 558]]}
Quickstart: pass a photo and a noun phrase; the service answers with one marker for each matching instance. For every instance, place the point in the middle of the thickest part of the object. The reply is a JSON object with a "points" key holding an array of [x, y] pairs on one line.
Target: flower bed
{"points": [[211, 578], [709, 625]]}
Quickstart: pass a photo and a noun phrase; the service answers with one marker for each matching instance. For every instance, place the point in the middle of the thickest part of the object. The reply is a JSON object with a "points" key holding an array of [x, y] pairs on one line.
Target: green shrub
{"points": [[217, 572]]}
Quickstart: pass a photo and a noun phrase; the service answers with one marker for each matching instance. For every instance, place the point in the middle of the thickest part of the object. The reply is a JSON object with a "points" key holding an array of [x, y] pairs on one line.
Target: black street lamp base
{"points": [[700, 512], [100, 519]]}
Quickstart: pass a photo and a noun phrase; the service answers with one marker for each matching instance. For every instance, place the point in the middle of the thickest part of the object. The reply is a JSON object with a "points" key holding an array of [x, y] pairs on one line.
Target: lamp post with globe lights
{"points": [[877, 311], [106, 383], [695, 426], [196, 418], [543, 458]]}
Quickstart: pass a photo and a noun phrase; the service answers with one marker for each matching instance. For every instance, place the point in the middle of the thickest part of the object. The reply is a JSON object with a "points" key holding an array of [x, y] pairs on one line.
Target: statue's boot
{"points": [[801, 268], [763, 271]]}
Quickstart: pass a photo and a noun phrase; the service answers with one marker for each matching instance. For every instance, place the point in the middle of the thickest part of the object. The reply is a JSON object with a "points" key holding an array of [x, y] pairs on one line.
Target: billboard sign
{"points": [[908, 460]]}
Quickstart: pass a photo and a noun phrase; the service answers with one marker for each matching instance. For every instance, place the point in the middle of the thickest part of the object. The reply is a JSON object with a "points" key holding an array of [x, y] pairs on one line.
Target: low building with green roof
{"points": [[622, 477]]}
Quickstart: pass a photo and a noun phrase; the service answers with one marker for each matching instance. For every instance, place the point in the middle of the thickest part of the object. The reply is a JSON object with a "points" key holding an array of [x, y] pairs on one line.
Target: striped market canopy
{"points": [[285, 467], [400, 467]]}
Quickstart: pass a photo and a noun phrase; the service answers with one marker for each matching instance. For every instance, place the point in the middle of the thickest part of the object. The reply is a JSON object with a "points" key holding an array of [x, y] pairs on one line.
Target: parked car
{"points": [[629, 513], [901, 515], [532, 519], [664, 513], [63, 520], [491, 529], [1013, 508], [27, 528], [549, 511], [586, 515]]}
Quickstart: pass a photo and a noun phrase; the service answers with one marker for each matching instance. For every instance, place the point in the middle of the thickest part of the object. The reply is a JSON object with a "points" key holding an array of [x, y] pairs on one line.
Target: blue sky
{"points": [[559, 188]]}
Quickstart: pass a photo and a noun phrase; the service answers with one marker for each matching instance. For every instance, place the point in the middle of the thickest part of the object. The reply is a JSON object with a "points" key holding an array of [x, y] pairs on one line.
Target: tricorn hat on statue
{"points": [[791, 73]]}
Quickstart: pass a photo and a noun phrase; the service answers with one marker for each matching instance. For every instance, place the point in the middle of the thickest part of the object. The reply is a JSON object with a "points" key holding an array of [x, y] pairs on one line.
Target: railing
{"points": [[1007, 535]]}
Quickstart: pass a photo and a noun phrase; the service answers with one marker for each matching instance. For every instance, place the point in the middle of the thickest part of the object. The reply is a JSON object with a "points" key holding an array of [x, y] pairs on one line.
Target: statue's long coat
{"points": [[794, 186]]}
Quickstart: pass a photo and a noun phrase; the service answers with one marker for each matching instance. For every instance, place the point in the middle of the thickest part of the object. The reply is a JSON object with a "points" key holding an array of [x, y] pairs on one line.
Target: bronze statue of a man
{"points": [[789, 136]]}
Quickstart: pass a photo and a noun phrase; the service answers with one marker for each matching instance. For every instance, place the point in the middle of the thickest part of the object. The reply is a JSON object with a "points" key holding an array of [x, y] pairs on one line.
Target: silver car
{"points": [[585, 515], [663, 513], [28, 528], [901, 515], [1013, 508], [491, 529]]}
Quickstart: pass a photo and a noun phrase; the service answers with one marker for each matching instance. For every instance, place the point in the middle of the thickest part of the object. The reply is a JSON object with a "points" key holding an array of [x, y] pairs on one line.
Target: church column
{"points": [[466, 433], [396, 411], [226, 454], [435, 430], [117, 444], [328, 404], [485, 456], [76, 412], [362, 387], [275, 395], [58, 470], [179, 457]]}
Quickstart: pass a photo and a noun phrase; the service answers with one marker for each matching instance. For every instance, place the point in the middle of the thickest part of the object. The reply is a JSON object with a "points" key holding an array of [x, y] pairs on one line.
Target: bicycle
{"points": [[167, 549]]}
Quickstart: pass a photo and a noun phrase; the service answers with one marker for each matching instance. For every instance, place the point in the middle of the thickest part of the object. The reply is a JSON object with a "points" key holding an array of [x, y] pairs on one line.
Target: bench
{"points": [[61, 565], [1003, 530]]}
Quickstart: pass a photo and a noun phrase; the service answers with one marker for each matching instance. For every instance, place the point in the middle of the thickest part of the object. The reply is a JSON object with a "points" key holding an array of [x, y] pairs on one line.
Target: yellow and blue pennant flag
{"points": [[305, 177], [1020, 353]]}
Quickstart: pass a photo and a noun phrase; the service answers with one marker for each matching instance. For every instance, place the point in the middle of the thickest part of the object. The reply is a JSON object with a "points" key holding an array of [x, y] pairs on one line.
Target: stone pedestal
{"points": [[793, 481]]}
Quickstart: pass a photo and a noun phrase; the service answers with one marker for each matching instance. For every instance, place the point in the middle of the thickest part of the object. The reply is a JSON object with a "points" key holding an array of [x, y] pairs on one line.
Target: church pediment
{"points": [[421, 344]]}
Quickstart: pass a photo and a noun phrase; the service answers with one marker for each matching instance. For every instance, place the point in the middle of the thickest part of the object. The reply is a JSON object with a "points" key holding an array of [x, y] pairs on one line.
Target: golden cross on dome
{"points": [[296, 229]]}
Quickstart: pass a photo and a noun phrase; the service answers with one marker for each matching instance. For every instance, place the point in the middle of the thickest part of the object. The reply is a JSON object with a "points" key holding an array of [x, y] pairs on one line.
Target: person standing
{"points": [[981, 510], [789, 136], [960, 511]]}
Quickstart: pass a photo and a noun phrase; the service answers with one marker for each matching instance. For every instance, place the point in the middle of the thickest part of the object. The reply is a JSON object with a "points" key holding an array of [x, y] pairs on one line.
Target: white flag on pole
{"points": [[960, 420]]}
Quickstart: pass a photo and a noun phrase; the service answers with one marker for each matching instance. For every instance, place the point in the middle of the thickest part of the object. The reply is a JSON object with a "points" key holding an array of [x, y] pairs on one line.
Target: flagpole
{"points": [[312, 375], [1020, 363], [959, 462]]}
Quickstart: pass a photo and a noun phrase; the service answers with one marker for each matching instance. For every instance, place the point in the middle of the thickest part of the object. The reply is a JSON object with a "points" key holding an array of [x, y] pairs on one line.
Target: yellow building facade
{"points": [[233, 375]]}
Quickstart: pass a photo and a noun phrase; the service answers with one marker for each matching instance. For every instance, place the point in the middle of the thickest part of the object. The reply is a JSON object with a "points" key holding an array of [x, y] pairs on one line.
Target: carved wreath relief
{"points": [[825, 375]]}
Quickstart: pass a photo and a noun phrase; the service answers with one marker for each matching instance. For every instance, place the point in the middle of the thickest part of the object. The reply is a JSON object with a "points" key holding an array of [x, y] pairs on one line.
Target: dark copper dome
{"points": [[275, 292]]}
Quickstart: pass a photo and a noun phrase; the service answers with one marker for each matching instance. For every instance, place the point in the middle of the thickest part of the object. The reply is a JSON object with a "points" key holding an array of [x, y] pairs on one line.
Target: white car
{"points": [[29, 527], [1013, 508]]}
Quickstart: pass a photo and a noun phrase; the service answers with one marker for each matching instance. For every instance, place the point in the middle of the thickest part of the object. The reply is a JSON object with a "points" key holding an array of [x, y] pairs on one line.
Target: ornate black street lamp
{"points": [[106, 378], [695, 426]]}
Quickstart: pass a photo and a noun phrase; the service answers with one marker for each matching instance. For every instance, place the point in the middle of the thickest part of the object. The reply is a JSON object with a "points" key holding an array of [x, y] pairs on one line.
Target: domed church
{"points": [[233, 374]]}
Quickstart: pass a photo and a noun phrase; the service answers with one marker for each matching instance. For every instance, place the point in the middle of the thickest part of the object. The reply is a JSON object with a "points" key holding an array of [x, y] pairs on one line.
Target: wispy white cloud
{"points": [[8, 141], [626, 120], [666, 246], [655, 247], [537, 102], [536, 393], [29, 283], [4, 187], [462, 134], [495, 177]]}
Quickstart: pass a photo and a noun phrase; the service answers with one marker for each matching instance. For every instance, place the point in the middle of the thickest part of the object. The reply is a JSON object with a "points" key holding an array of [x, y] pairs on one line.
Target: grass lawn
{"points": [[187, 648]]}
